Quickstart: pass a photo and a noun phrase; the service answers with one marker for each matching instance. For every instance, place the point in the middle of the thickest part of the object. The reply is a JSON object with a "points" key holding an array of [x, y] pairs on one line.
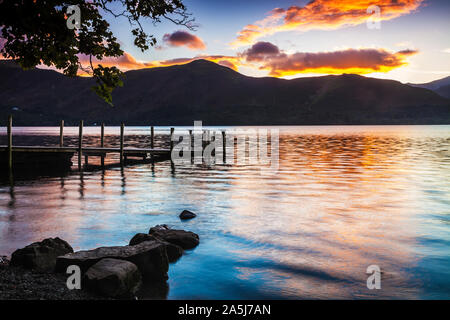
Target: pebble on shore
{"points": [[17, 283]]}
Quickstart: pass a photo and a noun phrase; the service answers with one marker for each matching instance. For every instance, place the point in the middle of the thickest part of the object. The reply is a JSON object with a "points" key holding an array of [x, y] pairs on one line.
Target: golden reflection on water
{"points": [[348, 200], [344, 198]]}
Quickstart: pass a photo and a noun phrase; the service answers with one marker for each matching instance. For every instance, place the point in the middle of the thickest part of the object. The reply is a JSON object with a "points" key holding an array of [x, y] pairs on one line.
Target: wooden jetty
{"points": [[60, 157]]}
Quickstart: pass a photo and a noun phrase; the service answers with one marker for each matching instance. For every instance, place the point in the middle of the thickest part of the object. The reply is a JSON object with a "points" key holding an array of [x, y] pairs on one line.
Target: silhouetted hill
{"points": [[444, 91], [441, 86], [203, 90]]}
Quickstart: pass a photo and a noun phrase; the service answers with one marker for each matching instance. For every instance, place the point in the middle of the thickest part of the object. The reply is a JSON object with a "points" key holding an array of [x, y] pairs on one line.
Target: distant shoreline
{"points": [[74, 125]]}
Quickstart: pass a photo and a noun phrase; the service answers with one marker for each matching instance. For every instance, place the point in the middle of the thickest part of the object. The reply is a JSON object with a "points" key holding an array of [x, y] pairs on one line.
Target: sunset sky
{"points": [[288, 38]]}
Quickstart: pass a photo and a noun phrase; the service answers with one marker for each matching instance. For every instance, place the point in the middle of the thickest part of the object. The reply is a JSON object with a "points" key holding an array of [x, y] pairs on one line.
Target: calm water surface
{"points": [[344, 198]]}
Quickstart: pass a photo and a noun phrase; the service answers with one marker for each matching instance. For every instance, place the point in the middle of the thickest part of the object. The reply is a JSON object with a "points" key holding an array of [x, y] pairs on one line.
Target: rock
{"points": [[4, 262], [150, 257], [186, 214], [184, 239], [154, 290], [141, 237], [174, 252], [113, 278], [42, 255]]}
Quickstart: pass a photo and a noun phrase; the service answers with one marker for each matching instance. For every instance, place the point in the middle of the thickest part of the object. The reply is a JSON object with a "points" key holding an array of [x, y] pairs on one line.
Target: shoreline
{"points": [[17, 283]]}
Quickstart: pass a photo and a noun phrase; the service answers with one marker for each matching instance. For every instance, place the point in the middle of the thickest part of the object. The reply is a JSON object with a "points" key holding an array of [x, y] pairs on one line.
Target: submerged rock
{"points": [[150, 257], [42, 255], [174, 252], [113, 278], [184, 239], [186, 214]]}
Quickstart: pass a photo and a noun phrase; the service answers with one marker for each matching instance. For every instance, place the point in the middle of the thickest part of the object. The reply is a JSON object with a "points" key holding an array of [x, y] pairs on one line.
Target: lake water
{"points": [[344, 198]]}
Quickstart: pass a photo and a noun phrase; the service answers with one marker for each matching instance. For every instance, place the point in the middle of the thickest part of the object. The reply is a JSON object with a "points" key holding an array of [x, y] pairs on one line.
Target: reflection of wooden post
{"points": [[10, 160], [80, 144], [203, 139], [61, 135], [122, 129], [102, 143], [152, 137], [171, 137]]}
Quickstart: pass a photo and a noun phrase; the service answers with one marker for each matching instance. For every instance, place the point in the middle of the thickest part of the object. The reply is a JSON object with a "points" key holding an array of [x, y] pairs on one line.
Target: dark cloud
{"points": [[260, 51], [183, 38]]}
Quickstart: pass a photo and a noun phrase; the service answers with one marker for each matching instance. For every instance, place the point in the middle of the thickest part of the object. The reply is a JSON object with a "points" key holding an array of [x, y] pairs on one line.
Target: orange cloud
{"points": [[183, 38], [359, 61], [323, 15], [267, 56], [125, 62], [226, 61], [128, 62]]}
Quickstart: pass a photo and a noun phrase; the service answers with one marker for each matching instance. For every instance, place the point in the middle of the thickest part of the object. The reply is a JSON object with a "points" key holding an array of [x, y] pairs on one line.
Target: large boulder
{"points": [[184, 239], [141, 237], [150, 257], [113, 278], [42, 255], [174, 252], [186, 214]]}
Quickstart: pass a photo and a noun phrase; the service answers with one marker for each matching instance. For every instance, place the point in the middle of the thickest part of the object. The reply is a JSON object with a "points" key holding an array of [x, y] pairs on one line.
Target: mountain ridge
{"points": [[203, 90], [440, 86]]}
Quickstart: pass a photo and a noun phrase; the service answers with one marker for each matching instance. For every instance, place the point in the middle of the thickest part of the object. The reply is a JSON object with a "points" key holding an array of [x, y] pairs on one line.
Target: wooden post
{"points": [[102, 143], [171, 141], [80, 144], [61, 135], [122, 129], [190, 145], [152, 137], [10, 159], [224, 147]]}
